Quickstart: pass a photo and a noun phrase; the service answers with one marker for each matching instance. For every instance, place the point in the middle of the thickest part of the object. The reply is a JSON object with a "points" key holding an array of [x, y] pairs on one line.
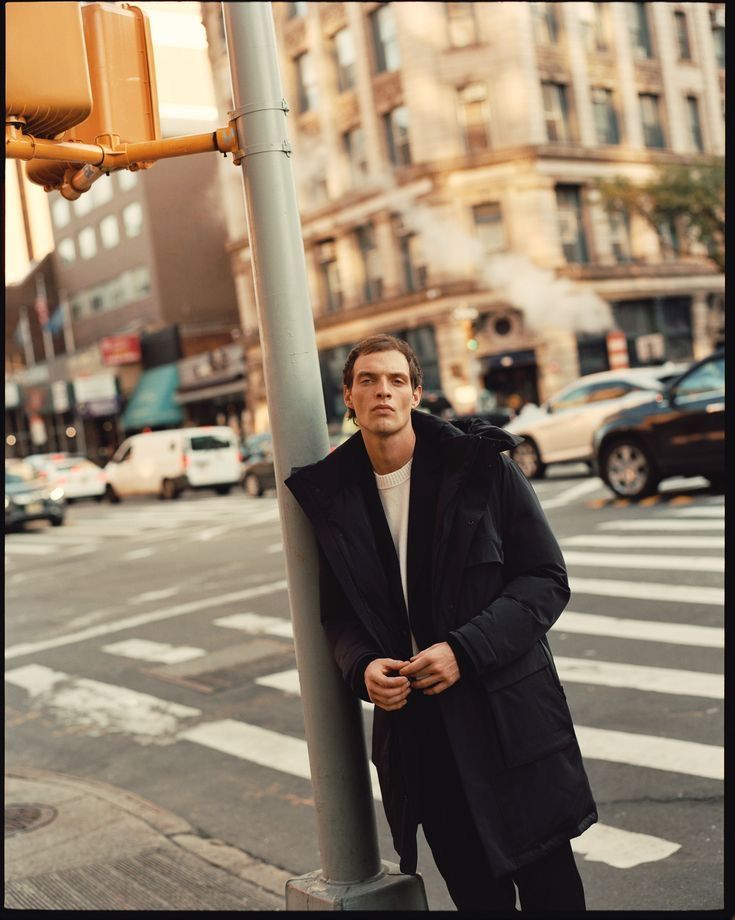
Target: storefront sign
{"points": [[12, 395], [212, 367], [120, 349], [96, 395], [60, 396]]}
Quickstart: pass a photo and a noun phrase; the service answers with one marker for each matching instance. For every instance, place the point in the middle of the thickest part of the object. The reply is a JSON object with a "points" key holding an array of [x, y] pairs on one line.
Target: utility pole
{"points": [[352, 876]]}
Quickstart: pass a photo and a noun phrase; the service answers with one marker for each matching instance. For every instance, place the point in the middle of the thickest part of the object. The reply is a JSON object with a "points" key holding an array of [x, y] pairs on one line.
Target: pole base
{"points": [[389, 890]]}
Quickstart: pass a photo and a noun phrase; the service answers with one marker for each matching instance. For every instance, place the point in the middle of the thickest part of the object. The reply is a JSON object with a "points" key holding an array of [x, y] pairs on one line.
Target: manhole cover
{"points": [[20, 819]]}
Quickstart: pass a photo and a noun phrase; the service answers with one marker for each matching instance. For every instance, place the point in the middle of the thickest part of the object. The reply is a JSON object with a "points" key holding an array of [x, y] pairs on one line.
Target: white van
{"points": [[165, 463]]}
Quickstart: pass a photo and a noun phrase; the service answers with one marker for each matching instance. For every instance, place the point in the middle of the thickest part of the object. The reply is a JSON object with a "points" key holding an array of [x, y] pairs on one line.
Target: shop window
{"points": [[461, 24], [395, 124], [473, 116], [571, 224], [556, 112], [385, 38], [87, 243], [488, 220]]}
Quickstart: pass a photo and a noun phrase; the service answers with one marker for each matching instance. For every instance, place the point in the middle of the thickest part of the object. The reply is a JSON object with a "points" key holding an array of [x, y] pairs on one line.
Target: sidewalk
{"points": [[79, 844]]}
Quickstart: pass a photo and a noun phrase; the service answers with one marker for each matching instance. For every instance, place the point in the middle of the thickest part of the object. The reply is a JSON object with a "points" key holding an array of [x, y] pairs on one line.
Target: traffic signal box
{"points": [[80, 73]]}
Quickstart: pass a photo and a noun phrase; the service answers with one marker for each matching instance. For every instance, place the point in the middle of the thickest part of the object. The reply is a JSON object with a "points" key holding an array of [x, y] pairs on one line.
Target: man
{"points": [[439, 580]]}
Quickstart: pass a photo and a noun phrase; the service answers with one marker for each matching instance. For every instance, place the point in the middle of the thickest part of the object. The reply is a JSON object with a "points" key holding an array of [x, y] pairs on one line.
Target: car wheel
{"points": [[112, 495], [527, 456], [169, 490], [253, 486], [57, 521], [717, 483], [222, 490], [98, 498], [628, 469]]}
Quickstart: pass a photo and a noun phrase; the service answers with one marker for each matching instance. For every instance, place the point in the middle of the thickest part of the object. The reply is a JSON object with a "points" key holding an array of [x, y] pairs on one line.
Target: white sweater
{"points": [[394, 490]]}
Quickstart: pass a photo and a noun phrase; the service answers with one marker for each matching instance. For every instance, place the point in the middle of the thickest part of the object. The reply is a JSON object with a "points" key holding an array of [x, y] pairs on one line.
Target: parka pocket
{"points": [[527, 709]]}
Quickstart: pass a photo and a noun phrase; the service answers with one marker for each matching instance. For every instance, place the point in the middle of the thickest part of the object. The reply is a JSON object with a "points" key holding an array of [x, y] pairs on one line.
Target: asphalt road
{"points": [[148, 646]]}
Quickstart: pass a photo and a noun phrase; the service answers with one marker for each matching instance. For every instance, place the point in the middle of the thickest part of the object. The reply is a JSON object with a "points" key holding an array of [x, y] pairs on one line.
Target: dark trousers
{"points": [[552, 883]]}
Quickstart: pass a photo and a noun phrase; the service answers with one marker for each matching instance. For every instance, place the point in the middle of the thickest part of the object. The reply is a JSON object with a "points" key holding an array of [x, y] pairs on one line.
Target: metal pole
{"points": [[352, 875]]}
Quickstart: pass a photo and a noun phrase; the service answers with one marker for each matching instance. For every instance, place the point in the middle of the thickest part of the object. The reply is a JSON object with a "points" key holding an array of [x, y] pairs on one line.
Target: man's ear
{"points": [[347, 397], [416, 397]]}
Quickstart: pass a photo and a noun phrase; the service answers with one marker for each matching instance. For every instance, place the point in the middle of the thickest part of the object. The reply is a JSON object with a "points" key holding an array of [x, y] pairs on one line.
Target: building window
{"points": [[473, 116], [595, 28], [127, 179], [488, 220], [640, 34], [695, 126], [412, 257], [354, 144], [653, 135], [682, 35], [343, 52], [132, 216], [669, 240], [295, 9], [87, 243], [556, 112], [306, 82], [140, 282], [61, 212], [109, 231], [329, 270], [461, 24], [372, 280], [619, 228], [385, 38], [717, 21], [67, 251], [606, 119], [83, 205], [101, 191], [571, 223], [395, 124], [545, 23]]}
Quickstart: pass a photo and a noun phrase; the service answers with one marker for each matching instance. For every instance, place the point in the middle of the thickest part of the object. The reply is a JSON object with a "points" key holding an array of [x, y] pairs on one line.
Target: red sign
{"points": [[120, 349], [617, 350]]}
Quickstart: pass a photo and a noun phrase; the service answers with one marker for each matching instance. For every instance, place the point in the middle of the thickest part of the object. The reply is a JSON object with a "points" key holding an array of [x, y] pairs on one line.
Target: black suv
{"points": [[681, 432]]}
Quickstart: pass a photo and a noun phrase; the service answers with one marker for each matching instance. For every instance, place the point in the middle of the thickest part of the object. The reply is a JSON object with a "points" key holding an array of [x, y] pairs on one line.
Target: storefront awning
{"points": [[152, 404], [233, 388]]}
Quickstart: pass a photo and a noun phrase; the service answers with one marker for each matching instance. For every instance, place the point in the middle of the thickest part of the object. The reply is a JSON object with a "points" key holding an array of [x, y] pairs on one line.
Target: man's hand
{"points": [[385, 687], [433, 670]]}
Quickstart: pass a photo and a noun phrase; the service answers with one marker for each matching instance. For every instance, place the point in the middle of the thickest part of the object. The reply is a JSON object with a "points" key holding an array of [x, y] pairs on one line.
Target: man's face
{"points": [[381, 394]]}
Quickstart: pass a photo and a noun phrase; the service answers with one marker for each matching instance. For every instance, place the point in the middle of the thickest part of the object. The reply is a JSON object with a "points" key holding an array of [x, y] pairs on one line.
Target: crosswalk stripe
{"points": [[257, 623], [638, 677], [102, 708], [641, 630], [717, 511], [572, 493], [646, 561], [653, 542], [669, 524], [29, 549], [142, 619], [669, 754], [601, 843], [159, 595], [145, 650], [650, 591]]}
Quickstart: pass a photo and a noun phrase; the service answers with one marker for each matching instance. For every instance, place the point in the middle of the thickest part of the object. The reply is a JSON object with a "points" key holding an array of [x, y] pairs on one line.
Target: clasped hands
{"points": [[432, 671]]}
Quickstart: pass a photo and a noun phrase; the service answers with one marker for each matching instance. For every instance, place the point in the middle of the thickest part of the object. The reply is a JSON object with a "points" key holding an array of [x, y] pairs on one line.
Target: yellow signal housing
{"points": [[47, 80], [123, 77]]}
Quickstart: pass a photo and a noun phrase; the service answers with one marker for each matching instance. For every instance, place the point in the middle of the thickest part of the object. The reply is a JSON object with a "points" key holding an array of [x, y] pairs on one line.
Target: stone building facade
{"points": [[446, 156]]}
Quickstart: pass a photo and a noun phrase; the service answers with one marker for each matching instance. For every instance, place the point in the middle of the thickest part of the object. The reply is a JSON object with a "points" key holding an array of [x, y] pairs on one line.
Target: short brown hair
{"points": [[381, 342]]}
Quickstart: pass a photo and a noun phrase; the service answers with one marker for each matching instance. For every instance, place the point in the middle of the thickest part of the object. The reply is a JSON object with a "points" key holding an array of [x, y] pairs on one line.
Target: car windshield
{"points": [[209, 442], [708, 376]]}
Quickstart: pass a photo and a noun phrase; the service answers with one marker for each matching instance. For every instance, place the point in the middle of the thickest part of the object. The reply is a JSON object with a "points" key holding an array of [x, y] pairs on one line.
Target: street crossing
{"points": [[689, 607]]}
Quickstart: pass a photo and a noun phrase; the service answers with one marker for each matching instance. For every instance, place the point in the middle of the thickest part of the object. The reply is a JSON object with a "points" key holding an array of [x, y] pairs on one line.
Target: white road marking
{"points": [[601, 843], [669, 754], [707, 511], [638, 677], [257, 624], [646, 630], [29, 549], [646, 561], [145, 650], [620, 848], [144, 619], [211, 532], [652, 542], [159, 595], [102, 709], [285, 681], [662, 524], [569, 495], [275, 548], [648, 591], [141, 553]]}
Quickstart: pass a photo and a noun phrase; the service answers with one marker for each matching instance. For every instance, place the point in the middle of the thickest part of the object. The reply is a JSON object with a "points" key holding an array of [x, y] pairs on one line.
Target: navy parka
{"points": [[497, 584]]}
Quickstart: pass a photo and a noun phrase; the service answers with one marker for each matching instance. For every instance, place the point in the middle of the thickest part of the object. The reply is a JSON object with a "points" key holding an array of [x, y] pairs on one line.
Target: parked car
{"points": [[259, 473], [165, 463], [40, 462], [679, 432], [28, 498], [77, 476], [560, 430]]}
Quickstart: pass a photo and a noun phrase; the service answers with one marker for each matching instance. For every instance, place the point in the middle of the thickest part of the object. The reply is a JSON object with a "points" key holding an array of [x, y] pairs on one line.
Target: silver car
{"points": [[561, 429]]}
